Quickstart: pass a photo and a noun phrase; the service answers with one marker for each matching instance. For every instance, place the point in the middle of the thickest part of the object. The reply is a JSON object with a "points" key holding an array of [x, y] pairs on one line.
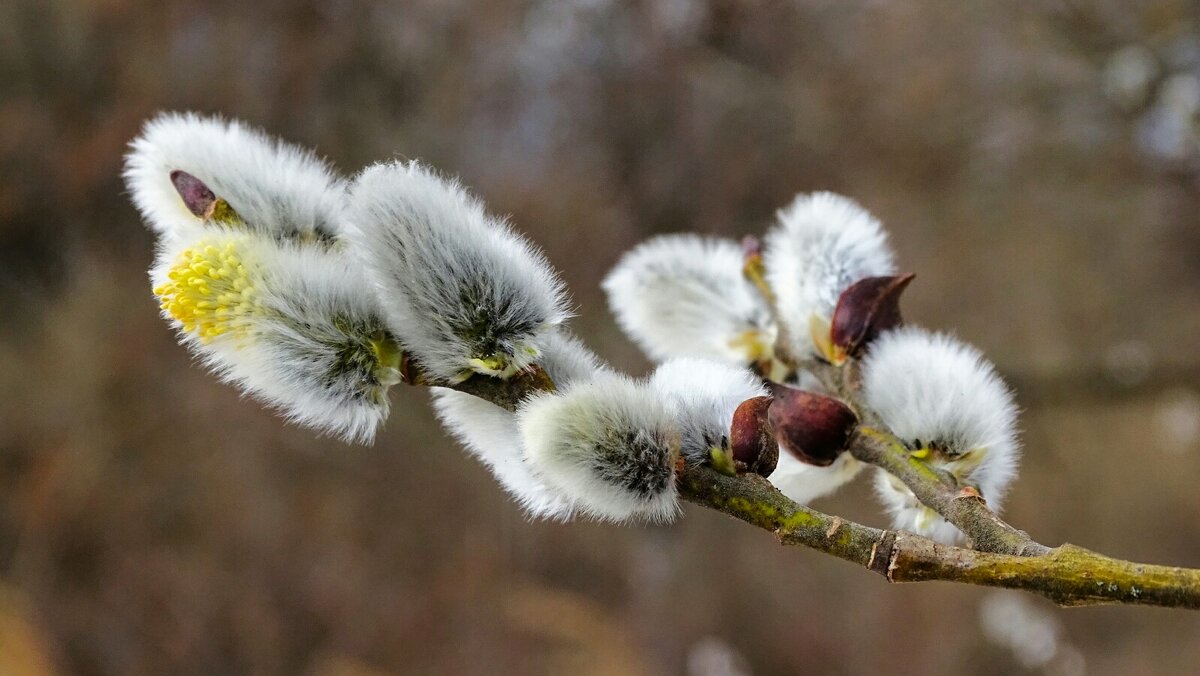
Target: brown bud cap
{"points": [[752, 439], [865, 309], [201, 201], [812, 427], [197, 197]]}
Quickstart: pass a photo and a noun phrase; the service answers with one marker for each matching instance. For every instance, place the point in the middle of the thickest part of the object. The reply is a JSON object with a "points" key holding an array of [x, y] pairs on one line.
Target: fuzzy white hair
{"points": [[685, 295], [804, 483], [567, 360], [462, 291], [908, 513], [822, 244], [277, 188], [937, 393], [609, 444], [491, 434], [705, 394], [294, 326], [801, 481]]}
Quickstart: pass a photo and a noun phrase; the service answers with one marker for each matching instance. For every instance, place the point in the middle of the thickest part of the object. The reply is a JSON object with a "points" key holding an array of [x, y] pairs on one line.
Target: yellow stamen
{"points": [[754, 270], [495, 365], [209, 292], [752, 344]]}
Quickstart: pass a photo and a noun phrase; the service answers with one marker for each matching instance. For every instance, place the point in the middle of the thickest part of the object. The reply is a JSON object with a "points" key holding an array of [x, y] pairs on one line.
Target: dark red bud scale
{"points": [[812, 427], [196, 195], [865, 309], [752, 439]]}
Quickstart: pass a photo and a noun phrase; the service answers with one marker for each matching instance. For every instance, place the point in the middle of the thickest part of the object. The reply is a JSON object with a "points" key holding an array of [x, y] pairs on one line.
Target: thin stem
{"points": [[962, 506], [509, 393], [965, 508], [1067, 575], [756, 501]]}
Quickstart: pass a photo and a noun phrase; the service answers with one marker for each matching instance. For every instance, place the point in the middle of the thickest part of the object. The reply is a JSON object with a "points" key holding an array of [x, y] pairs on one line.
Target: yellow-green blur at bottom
{"points": [[498, 365], [389, 359], [722, 461]]}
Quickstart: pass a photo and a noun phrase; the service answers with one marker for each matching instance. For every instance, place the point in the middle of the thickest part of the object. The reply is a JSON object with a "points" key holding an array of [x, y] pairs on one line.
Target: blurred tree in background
{"points": [[1037, 165]]}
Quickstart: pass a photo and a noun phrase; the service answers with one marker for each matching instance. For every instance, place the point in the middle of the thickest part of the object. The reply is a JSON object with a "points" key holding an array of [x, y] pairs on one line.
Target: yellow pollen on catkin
{"points": [[208, 291]]}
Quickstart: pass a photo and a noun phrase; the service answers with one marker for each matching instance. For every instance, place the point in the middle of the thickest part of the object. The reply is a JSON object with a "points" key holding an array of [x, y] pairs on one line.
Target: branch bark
{"points": [[966, 509], [1067, 575], [962, 506]]}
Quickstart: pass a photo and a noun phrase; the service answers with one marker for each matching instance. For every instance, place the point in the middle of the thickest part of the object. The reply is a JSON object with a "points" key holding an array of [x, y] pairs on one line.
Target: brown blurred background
{"points": [[1038, 167]]}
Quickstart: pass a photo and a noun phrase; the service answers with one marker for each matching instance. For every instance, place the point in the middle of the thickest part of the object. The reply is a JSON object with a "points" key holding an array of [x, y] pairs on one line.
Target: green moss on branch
{"points": [[966, 510], [1067, 575]]}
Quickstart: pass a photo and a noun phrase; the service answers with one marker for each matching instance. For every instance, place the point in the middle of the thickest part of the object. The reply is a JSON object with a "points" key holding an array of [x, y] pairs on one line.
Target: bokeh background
{"points": [[1037, 164]]}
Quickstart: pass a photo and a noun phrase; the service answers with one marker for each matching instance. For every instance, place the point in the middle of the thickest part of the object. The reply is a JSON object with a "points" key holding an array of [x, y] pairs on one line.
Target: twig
{"points": [[964, 508], [1067, 575]]}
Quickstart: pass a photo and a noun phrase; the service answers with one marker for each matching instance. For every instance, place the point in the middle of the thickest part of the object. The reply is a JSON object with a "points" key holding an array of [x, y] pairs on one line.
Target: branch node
{"points": [[970, 493], [833, 528], [882, 553]]}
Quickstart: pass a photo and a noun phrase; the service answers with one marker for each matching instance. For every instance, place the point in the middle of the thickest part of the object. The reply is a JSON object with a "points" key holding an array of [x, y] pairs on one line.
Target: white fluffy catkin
{"points": [[461, 290], [609, 444], [567, 360], [804, 483], [491, 434], [822, 244], [704, 394], [941, 397], [295, 326], [277, 189], [685, 295]]}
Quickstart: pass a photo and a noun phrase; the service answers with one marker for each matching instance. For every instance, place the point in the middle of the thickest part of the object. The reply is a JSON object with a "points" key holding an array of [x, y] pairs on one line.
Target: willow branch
{"points": [[507, 394], [964, 507], [1067, 575]]}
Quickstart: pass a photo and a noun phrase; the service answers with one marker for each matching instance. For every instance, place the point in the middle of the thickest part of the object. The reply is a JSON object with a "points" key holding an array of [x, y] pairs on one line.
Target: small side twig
{"points": [[1067, 575], [963, 507], [873, 444]]}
